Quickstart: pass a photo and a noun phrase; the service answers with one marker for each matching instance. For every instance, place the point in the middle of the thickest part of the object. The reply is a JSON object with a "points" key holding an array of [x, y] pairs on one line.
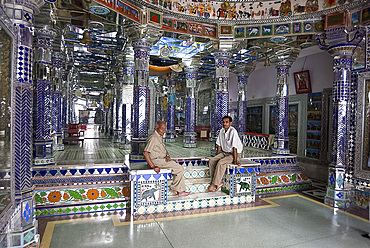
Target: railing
{"points": [[256, 140]]}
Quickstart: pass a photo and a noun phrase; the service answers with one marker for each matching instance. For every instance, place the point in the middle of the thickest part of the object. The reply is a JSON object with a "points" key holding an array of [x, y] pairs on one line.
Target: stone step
{"points": [[196, 196], [194, 201], [197, 185], [193, 172]]}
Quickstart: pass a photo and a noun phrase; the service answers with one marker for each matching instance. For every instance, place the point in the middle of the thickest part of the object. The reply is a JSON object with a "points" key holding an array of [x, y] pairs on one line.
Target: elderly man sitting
{"points": [[157, 157]]}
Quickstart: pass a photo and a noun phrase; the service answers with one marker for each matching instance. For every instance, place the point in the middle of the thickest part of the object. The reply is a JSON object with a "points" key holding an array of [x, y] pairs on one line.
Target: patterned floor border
{"points": [[80, 209]]}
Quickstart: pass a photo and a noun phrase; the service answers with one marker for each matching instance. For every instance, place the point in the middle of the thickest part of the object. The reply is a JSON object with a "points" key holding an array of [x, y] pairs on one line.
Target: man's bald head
{"points": [[161, 127], [161, 123]]}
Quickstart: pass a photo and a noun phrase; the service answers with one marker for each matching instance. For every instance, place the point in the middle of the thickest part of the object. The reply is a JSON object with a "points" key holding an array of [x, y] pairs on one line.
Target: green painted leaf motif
{"points": [[82, 191], [117, 189], [294, 177], [274, 179], [38, 198], [111, 192], [43, 193], [75, 194]]}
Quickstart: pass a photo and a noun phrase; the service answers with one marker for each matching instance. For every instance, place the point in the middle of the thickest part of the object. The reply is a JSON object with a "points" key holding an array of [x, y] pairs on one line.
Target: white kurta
{"points": [[228, 140]]}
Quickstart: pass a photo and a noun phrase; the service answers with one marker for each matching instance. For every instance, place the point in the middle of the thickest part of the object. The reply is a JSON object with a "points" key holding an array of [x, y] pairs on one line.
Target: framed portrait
{"points": [[302, 82], [335, 20], [362, 140]]}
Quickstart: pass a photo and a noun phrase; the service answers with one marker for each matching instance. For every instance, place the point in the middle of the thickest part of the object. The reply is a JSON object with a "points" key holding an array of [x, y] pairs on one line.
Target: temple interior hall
{"points": [[85, 82]]}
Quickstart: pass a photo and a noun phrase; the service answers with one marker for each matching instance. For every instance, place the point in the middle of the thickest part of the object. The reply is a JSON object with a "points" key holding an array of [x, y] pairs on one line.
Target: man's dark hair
{"points": [[228, 117]]}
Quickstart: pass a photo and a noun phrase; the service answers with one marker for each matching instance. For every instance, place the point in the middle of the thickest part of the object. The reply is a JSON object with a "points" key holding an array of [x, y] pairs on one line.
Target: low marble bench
{"points": [[150, 190], [241, 180], [147, 187]]}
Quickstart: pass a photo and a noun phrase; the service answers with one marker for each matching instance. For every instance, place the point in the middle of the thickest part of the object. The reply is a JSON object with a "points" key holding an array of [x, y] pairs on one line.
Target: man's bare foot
{"points": [[211, 188]]}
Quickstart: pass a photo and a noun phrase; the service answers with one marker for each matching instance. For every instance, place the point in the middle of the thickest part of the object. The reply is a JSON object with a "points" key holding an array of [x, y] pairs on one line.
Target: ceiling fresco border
{"points": [[148, 13], [271, 30], [295, 17], [125, 8]]}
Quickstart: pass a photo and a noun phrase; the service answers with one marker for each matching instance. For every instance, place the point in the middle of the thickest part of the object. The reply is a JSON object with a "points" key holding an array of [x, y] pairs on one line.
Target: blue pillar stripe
{"points": [[140, 112], [22, 138], [190, 114], [171, 111], [242, 116]]}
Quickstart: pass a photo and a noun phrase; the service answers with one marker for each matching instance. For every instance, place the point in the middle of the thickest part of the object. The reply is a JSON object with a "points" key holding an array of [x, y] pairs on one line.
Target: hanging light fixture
{"points": [[86, 38]]}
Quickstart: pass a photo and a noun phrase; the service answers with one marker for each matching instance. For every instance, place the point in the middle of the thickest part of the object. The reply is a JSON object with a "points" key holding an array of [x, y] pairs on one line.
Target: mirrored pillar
{"points": [[23, 218], [65, 91], [42, 93], [171, 105], [221, 101], [281, 140], [140, 112], [158, 104], [242, 102], [337, 194], [341, 45], [127, 101], [57, 78], [190, 136], [117, 108]]}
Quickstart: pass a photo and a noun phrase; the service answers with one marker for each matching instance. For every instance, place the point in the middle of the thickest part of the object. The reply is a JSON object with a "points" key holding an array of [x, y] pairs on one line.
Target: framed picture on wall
{"points": [[302, 82]]}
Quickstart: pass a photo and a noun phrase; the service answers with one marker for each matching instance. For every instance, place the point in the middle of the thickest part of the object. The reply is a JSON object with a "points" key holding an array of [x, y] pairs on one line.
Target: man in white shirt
{"points": [[229, 149]]}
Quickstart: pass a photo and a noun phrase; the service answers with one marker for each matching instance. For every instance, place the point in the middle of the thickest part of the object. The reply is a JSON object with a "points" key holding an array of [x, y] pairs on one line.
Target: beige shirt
{"points": [[155, 146]]}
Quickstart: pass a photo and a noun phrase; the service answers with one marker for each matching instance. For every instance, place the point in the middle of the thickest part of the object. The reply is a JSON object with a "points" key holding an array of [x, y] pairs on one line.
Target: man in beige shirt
{"points": [[157, 157]]}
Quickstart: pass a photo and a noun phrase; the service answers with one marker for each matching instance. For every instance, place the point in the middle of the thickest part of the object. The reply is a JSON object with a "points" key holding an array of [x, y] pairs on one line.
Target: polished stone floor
{"points": [[290, 220], [286, 221]]}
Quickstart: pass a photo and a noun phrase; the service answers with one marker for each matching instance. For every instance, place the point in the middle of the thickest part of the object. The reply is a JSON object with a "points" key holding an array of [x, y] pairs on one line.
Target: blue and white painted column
{"points": [[242, 102], [42, 101], [221, 102], [171, 104], [57, 78], [117, 108], [65, 92], [140, 112], [281, 140], [24, 224], [127, 101], [341, 46], [158, 104], [190, 136]]}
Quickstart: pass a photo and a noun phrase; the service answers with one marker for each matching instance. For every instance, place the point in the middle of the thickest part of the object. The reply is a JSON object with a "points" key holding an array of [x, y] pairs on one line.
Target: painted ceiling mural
{"points": [[247, 10]]}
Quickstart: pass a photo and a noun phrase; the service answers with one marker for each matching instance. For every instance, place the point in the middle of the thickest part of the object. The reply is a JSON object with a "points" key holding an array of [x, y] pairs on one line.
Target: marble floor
{"points": [[284, 221], [288, 220]]}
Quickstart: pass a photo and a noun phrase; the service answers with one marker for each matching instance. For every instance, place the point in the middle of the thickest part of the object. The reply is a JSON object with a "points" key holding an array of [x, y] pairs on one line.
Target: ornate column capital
{"points": [[222, 54], [45, 32], [341, 36], [141, 44]]}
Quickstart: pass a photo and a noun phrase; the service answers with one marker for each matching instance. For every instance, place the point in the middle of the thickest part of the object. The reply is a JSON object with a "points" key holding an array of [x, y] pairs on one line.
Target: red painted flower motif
{"points": [[126, 192], [303, 177], [54, 196], [92, 194], [264, 180], [285, 179]]}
